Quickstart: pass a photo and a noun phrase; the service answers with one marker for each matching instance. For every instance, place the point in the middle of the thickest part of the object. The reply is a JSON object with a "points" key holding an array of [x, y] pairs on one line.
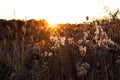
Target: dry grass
{"points": [[31, 51]]}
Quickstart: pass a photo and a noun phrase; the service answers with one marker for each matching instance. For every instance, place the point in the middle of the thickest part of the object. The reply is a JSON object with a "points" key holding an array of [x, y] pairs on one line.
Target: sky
{"points": [[55, 11]]}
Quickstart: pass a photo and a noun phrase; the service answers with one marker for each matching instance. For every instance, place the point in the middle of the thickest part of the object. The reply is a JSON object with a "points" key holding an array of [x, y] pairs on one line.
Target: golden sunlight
{"points": [[53, 26]]}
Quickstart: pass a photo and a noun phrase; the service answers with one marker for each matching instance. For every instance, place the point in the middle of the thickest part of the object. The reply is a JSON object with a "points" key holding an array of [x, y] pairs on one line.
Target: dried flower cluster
{"points": [[47, 54], [82, 69], [82, 50], [58, 41], [102, 39], [70, 40]]}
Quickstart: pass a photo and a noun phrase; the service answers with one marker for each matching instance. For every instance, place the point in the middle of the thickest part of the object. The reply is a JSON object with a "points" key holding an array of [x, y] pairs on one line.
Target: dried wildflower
{"points": [[85, 35], [70, 40], [82, 50], [47, 54], [58, 41], [85, 65], [62, 40], [82, 69], [101, 38], [82, 72], [80, 41], [111, 42]]}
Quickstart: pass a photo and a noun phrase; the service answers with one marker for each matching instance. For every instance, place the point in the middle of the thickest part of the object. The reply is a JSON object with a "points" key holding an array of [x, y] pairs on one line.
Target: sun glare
{"points": [[53, 26]]}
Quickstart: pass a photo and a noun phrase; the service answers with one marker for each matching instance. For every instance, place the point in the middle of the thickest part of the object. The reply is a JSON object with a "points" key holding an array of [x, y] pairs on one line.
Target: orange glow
{"points": [[41, 43], [53, 26]]}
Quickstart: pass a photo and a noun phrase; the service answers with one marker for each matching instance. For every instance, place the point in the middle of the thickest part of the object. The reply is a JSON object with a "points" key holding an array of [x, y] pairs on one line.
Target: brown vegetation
{"points": [[29, 50]]}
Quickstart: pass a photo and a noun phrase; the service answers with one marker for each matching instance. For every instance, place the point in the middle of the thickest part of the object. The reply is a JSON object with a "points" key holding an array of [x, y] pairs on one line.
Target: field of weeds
{"points": [[32, 50]]}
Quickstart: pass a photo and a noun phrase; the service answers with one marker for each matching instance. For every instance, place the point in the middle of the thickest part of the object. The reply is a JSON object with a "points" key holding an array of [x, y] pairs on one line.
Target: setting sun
{"points": [[52, 26]]}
